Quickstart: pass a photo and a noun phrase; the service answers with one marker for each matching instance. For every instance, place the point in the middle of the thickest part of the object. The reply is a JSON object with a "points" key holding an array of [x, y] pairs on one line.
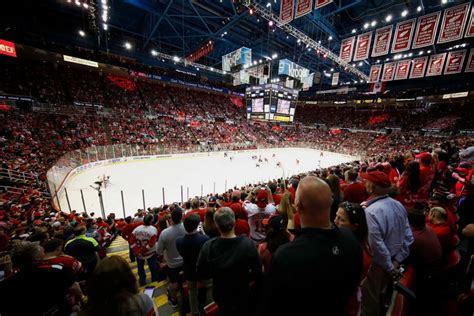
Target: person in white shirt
{"points": [[143, 244], [258, 212]]}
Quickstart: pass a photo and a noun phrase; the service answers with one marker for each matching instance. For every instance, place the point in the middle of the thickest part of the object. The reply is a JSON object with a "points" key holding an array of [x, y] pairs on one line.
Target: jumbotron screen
{"points": [[271, 102]]}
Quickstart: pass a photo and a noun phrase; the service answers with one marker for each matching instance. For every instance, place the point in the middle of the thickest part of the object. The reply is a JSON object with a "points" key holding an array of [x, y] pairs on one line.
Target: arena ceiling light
{"points": [[154, 52], [418, 9], [366, 26], [373, 23], [105, 26], [127, 45], [360, 64], [404, 13], [82, 33], [274, 56], [176, 58], [421, 53], [429, 52], [388, 18], [300, 35], [354, 31], [444, 1], [330, 38]]}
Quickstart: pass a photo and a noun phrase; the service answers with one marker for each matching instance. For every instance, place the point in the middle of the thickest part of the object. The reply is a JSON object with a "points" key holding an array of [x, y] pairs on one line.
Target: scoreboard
{"points": [[271, 102]]}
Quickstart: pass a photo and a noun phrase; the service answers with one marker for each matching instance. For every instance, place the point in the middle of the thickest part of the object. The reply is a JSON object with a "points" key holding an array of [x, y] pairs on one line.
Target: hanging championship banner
{"points": [[347, 46], [403, 67], [303, 7], [425, 32], [388, 71], [454, 20], [403, 36], [286, 11], [435, 65], [375, 72], [470, 25], [362, 47], [418, 68], [322, 3], [454, 62], [382, 40], [470, 62]]}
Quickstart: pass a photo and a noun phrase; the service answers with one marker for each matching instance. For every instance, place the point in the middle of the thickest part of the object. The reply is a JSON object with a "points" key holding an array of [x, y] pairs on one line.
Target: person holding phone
{"points": [[112, 290]]}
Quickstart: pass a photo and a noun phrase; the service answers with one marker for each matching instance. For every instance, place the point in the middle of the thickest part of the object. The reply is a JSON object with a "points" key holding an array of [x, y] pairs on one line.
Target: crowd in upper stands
{"points": [[317, 240]]}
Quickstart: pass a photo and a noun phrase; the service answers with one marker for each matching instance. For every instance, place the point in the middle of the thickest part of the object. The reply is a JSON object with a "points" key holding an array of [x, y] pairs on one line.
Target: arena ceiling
{"points": [[180, 27]]}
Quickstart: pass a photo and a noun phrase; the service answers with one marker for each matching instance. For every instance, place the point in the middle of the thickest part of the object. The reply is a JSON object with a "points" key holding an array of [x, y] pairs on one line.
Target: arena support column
{"points": [[123, 203], [83, 202]]}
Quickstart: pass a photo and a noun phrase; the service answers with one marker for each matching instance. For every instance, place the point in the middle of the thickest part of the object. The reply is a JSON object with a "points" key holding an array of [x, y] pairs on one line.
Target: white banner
{"points": [[418, 68], [347, 47], [436, 65], [286, 11], [470, 61], [388, 71], [375, 72], [402, 70], [403, 36], [303, 7], [454, 20], [426, 28], [454, 62], [382, 39], [81, 61], [363, 46]]}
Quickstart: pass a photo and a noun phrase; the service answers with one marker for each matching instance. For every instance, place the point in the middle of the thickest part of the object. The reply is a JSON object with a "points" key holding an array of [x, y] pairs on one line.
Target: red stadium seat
{"points": [[211, 309]]}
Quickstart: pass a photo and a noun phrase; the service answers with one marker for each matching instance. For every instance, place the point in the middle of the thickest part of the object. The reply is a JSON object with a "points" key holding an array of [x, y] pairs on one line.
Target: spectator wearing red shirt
{"points": [[410, 184], [195, 209], [127, 232], [276, 196], [427, 174], [53, 254], [276, 235], [438, 222], [355, 190]]}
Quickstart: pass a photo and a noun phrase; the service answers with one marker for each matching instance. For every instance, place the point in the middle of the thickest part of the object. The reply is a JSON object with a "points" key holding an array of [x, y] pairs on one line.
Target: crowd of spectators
{"points": [[425, 181]]}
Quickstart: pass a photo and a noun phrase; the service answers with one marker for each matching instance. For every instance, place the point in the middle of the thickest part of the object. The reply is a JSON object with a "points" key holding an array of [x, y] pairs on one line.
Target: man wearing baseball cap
{"points": [[257, 213], [390, 238]]}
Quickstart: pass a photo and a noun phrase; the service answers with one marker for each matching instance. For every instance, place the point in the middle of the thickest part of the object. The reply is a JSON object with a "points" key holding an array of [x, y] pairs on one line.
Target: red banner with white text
{"points": [[286, 11], [454, 62], [403, 36], [322, 3], [375, 72], [470, 25], [363, 46], [388, 71], [382, 39], [470, 61], [436, 65], [403, 68], [426, 28], [7, 48], [347, 47], [418, 68], [303, 7], [454, 20]]}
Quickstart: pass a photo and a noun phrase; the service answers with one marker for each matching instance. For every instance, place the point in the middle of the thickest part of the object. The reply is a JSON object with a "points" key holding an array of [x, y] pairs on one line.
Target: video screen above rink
{"points": [[271, 102]]}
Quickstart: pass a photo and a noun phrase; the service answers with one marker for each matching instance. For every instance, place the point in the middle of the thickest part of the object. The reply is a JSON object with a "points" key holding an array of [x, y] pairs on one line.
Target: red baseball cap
{"points": [[262, 198], [424, 157], [378, 178]]}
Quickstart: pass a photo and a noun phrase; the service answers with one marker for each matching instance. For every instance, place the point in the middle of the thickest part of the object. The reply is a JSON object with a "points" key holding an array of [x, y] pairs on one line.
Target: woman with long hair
{"points": [[286, 209], [334, 184], [112, 290], [352, 216], [409, 185], [276, 235], [209, 225]]}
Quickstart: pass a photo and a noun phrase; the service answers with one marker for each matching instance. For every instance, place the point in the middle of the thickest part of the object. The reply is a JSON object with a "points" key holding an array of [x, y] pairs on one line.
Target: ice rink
{"points": [[194, 172]]}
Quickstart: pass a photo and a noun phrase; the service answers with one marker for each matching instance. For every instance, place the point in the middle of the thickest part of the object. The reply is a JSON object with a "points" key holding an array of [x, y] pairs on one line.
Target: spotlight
{"points": [[404, 13], [366, 25], [270, 23], [388, 18], [154, 52], [418, 9], [81, 33], [128, 45], [354, 31], [374, 23]]}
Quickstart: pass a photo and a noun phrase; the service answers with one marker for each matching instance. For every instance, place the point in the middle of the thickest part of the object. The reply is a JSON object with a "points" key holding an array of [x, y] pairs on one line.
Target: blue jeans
{"points": [[152, 264]]}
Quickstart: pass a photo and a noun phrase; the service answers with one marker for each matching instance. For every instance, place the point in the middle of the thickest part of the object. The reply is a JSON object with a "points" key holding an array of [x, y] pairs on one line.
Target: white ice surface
{"points": [[190, 171]]}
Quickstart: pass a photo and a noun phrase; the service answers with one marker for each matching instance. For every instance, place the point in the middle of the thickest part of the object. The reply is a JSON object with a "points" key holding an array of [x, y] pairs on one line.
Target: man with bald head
{"points": [[320, 269]]}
